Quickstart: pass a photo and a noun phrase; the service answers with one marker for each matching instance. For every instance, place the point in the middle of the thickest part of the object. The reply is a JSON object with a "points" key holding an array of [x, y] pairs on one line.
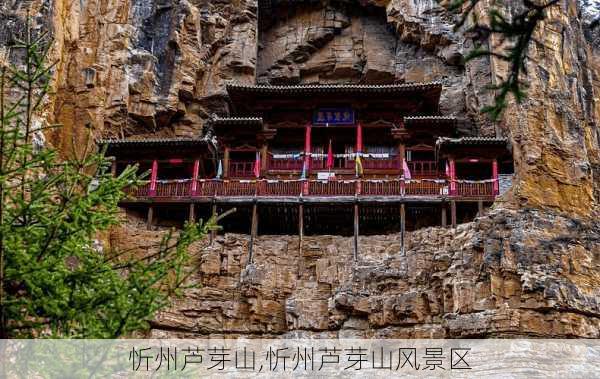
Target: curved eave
{"points": [[127, 145], [471, 141], [248, 123], [234, 89]]}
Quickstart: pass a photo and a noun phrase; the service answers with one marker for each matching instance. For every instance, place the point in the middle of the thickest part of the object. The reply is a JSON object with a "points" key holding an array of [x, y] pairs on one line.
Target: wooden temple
{"points": [[320, 159]]}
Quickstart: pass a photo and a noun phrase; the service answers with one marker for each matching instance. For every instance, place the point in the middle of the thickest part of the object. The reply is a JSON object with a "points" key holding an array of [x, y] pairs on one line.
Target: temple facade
{"points": [[320, 159]]}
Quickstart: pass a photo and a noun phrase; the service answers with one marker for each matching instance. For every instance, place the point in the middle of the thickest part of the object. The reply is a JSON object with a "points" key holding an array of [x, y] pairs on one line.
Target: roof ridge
{"points": [[335, 85]]}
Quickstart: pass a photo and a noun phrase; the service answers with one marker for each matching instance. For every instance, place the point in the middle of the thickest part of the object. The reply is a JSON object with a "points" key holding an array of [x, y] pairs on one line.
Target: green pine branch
{"points": [[53, 281]]}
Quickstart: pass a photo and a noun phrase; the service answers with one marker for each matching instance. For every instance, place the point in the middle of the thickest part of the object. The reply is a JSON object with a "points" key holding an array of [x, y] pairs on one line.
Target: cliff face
{"points": [[528, 267]]}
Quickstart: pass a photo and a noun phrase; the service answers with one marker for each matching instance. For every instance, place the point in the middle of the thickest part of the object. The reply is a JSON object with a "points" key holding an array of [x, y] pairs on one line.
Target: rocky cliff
{"points": [[528, 267]]}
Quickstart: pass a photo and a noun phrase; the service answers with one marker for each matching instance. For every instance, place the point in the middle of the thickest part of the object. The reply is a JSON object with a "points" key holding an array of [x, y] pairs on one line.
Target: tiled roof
{"points": [[430, 120], [471, 141], [333, 88], [417, 118], [237, 121]]}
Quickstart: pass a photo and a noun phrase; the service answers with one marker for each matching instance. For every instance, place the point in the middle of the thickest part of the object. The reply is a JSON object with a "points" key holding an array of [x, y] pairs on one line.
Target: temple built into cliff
{"points": [[320, 159]]}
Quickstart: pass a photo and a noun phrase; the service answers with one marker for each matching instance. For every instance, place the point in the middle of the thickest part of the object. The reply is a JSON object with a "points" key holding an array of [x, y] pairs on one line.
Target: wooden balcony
{"points": [[423, 169], [209, 188]]}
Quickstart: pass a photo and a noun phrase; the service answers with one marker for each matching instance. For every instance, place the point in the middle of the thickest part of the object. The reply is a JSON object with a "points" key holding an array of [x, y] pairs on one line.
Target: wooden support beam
{"points": [[300, 227], [150, 218], [253, 230], [192, 213], [444, 218], [213, 233], [479, 208], [356, 232], [453, 213], [402, 227]]}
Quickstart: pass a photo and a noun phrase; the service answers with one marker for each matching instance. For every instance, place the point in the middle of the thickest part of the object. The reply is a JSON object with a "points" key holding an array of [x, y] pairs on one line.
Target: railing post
{"points": [[305, 184], [402, 187]]}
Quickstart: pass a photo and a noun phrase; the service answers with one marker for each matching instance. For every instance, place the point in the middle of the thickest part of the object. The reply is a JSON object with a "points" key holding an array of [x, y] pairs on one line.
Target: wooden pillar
{"points": [[153, 178], [150, 218], [452, 165], [192, 213], [495, 177], [356, 232], [195, 170], [444, 219], [401, 156], [264, 156], [226, 162], [480, 208], [213, 233], [307, 157], [113, 167], [402, 227], [453, 213], [253, 230], [300, 227]]}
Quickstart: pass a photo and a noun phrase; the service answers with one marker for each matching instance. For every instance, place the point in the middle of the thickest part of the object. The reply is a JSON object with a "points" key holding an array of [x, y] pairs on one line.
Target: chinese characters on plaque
{"points": [[333, 116]]}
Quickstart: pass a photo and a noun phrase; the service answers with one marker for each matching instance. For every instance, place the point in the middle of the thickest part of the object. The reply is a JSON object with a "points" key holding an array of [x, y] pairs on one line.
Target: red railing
{"points": [[332, 187], [423, 169], [280, 188], [177, 188], [475, 189], [363, 187], [140, 191], [285, 164], [238, 188], [382, 187], [424, 187], [241, 169]]}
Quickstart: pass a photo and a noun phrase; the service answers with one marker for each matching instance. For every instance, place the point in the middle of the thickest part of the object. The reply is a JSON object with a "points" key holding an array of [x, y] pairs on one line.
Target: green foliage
{"points": [[54, 280], [514, 35]]}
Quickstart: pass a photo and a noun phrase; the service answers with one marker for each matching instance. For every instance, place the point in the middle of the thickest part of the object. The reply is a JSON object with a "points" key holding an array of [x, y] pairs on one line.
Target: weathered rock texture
{"points": [[530, 267], [508, 273]]}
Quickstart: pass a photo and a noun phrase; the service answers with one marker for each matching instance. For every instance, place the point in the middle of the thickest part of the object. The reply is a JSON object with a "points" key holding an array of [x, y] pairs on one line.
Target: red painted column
{"points": [[359, 149], [452, 177], [495, 176], [307, 157], [194, 186], [153, 176]]}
